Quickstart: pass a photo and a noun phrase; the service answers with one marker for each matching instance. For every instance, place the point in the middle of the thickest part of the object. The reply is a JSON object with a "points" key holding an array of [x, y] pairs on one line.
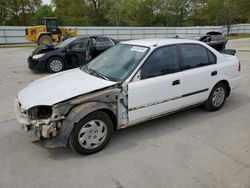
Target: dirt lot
{"points": [[192, 149]]}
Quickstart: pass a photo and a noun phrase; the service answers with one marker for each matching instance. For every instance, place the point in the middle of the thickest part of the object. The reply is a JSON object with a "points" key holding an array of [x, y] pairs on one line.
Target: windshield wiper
{"points": [[98, 74], [85, 68]]}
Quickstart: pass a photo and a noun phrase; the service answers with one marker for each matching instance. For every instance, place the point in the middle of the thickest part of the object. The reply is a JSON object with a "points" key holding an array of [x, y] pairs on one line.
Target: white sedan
{"points": [[130, 83]]}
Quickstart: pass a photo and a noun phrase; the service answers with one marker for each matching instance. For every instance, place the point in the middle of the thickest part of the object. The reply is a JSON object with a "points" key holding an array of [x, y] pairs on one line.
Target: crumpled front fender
{"points": [[79, 112]]}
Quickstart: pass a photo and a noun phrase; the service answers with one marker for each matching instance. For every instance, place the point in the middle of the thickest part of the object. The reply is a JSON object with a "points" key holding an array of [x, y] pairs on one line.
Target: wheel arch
{"points": [[112, 116], [57, 56], [81, 111], [226, 83]]}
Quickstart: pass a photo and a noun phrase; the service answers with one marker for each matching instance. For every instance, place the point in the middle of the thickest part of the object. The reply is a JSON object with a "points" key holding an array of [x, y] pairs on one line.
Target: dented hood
{"points": [[60, 87]]}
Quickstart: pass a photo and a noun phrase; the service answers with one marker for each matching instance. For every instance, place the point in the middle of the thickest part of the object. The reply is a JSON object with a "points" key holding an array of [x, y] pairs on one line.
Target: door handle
{"points": [[214, 73], [176, 82]]}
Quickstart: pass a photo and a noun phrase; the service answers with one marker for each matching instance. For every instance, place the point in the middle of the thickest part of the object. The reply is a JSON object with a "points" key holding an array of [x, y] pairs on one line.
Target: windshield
{"points": [[51, 23], [66, 42], [118, 62]]}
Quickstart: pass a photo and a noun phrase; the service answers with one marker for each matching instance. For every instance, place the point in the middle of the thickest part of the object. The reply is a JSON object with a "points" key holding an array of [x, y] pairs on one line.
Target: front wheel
{"points": [[92, 133], [55, 64], [216, 98]]}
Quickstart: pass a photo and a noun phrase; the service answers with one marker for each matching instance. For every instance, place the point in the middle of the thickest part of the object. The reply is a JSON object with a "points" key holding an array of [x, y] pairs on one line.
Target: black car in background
{"points": [[71, 53], [213, 39]]}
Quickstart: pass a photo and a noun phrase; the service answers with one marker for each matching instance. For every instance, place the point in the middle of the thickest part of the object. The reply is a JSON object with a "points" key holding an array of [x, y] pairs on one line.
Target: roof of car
{"points": [[91, 36], [86, 36], [159, 42]]}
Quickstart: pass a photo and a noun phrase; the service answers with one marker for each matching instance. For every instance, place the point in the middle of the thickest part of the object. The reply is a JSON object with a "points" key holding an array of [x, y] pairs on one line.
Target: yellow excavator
{"points": [[49, 32]]}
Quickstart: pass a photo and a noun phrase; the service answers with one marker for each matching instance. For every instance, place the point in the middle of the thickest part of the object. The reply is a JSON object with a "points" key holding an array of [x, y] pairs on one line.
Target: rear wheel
{"points": [[216, 98], [92, 133], [55, 64], [45, 40]]}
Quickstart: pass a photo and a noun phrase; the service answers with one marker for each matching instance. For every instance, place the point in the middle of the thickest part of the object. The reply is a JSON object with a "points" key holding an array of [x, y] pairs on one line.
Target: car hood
{"points": [[60, 87], [45, 49]]}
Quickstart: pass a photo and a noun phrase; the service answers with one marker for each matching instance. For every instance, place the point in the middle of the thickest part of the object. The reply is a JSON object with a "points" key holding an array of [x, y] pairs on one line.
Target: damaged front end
{"points": [[51, 126], [40, 122]]}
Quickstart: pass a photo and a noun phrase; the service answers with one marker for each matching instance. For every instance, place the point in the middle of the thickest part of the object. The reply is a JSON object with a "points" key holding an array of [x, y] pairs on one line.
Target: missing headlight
{"points": [[40, 112]]}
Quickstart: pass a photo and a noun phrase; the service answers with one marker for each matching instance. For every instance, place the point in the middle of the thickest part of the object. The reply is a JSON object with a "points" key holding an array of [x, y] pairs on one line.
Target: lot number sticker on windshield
{"points": [[138, 49]]}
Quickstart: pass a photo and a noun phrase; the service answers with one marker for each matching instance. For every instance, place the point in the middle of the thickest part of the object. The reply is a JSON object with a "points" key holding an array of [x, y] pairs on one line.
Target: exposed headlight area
{"points": [[39, 122], [47, 122], [40, 112], [38, 56]]}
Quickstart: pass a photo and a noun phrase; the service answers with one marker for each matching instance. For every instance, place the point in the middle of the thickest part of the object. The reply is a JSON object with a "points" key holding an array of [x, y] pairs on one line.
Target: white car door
{"points": [[159, 88], [199, 73]]}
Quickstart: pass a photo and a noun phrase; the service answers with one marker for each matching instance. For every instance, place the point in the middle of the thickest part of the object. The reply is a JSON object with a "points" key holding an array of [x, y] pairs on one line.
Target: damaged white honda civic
{"points": [[130, 83]]}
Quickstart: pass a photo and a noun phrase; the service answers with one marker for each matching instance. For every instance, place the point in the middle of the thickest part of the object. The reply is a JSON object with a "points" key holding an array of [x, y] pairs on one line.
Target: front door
{"points": [[159, 88], [76, 55]]}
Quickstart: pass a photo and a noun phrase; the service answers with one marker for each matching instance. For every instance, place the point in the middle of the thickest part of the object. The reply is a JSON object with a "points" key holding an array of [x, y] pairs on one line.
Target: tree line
{"points": [[127, 12]]}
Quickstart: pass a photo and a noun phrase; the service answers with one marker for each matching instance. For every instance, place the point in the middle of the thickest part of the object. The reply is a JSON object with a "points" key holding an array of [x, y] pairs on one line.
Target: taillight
{"points": [[239, 67]]}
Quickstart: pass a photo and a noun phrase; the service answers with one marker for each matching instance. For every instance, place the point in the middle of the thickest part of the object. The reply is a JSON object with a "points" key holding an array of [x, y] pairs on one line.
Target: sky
{"points": [[46, 1]]}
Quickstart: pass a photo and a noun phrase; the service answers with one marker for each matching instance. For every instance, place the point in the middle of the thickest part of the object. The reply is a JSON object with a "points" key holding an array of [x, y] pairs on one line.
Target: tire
{"points": [[92, 133], [216, 98], [45, 40], [55, 64]]}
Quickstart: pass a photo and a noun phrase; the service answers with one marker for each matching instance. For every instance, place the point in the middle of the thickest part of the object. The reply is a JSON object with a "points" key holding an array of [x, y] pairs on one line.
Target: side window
{"points": [[211, 57], [194, 56], [162, 61], [80, 45]]}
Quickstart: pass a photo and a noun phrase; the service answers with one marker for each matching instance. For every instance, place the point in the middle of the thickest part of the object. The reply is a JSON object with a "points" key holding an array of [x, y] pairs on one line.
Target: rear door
{"points": [[199, 73], [159, 87]]}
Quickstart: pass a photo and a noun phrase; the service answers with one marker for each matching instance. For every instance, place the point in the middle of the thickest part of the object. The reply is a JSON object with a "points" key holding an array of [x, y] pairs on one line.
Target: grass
{"points": [[239, 36]]}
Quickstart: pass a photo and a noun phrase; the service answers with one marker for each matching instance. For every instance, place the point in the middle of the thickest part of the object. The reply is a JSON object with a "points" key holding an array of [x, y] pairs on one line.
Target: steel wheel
{"points": [[45, 40], [218, 97], [92, 134]]}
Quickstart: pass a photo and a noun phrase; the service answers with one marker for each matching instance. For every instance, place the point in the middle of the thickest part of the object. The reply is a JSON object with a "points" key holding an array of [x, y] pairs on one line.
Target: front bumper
{"points": [[26, 125], [39, 64], [40, 132]]}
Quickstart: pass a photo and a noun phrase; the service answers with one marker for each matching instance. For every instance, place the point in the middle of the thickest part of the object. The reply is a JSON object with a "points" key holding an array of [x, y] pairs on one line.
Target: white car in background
{"points": [[130, 83]]}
